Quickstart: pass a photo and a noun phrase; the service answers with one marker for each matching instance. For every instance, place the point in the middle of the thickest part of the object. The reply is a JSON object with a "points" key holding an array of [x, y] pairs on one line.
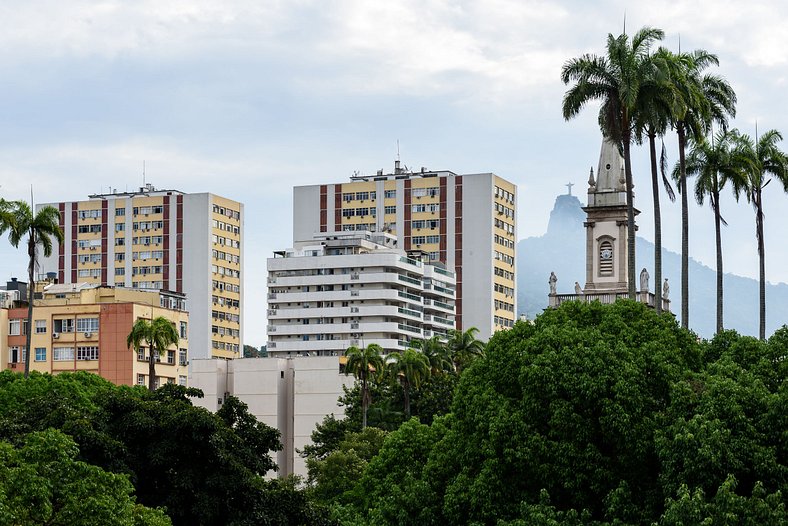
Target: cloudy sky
{"points": [[246, 99]]}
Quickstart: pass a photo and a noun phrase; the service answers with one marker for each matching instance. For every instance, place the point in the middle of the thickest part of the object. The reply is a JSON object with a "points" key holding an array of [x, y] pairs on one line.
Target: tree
{"points": [[701, 100], [363, 363], [655, 106], [715, 164], [436, 352], [464, 347], [616, 80], [409, 368], [40, 227], [159, 333], [765, 159]]}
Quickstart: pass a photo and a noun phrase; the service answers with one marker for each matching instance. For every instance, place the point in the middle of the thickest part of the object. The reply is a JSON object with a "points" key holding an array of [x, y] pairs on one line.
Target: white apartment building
{"points": [[354, 288], [466, 222]]}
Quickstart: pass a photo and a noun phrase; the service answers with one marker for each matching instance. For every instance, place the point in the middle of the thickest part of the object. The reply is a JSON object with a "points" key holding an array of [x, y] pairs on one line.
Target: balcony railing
{"points": [[607, 298]]}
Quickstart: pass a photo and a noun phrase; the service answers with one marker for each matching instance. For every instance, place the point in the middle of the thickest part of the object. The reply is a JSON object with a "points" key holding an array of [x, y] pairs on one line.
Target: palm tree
{"points": [[362, 363], [616, 80], [701, 100], [765, 159], [20, 221], [159, 333], [464, 347], [715, 165], [436, 352], [655, 106], [409, 368]]}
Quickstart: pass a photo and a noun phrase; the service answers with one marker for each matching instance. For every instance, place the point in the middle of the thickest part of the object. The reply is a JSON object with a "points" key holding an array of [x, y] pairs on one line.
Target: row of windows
{"points": [[425, 192], [504, 194], [88, 243], [147, 240], [146, 210], [225, 302], [500, 256], [222, 331], [89, 258], [420, 240], [226, 212], [153, 285], [222, 346], [229, 287], [358, 196], [89, 273], [421, 207], [503, 289], [359, 212], [504, 273], [143, 271], [372, 227], [508, 243], [219, 315], [425, 223], [145, 254], [225, 271], [503, 225], [503, 322], [505, 210], [66, 354], [145, 225], [92, 214], [504, 305], [227, 227], [224, 256], [143, 380], [89, 229], [143, 356], [226, 241]]}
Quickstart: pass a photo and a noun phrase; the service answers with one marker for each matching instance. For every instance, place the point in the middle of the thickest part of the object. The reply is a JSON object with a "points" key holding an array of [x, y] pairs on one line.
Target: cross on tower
{"points": [[569, 187]]}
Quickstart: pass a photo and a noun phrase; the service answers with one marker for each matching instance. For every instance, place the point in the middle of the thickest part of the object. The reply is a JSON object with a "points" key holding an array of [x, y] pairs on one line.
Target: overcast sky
{"points": [[246, 99]]}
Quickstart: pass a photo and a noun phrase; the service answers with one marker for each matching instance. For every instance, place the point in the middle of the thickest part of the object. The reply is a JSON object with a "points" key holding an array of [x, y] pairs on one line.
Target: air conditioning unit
{"points": [[88, 335], [55, 335]]}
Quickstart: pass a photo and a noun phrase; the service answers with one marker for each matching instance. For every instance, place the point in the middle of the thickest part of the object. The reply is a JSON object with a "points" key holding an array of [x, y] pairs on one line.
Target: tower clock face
{"points": [[606, 254]]}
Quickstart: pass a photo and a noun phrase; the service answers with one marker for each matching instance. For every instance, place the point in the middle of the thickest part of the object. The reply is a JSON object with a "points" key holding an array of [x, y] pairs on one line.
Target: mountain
{"points": [[562, 250]]}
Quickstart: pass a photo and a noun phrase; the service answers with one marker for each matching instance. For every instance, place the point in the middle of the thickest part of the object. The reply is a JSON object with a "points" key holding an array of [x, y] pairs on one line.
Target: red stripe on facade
{"points": [[443, 199], [323, 208], [73, 242], [337, 208], [179, 245], [166, 243], [104, 245], [407, 203], [458, 250], [61, 247]]}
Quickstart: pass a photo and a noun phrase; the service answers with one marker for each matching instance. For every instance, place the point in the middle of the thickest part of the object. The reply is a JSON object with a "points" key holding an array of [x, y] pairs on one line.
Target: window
{"points": [[87, 325], [141, 379], [62, 354], [606, 258], [171, 357], [184, 330], [390, 210], [120, 241], [141, 354], [120, 271], [120, 227], [87, 352], [41, 326], [41, 354], [14, 328], [182, 357], [182, 380], [390, 194], [120, 211]]}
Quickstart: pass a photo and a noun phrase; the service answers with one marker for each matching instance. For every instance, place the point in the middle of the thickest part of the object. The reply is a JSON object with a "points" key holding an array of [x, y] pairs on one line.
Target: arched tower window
{"points": [[606, 258]]}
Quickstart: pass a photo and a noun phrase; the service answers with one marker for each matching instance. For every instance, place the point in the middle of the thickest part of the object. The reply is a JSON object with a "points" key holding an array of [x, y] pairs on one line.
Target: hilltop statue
{"points": [[644, 280], [552, 281], [665, 289], [578, 290]]}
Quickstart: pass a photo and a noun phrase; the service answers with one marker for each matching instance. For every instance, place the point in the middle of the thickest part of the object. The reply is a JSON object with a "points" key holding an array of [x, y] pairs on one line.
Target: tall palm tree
{"points": [[701, 100], [765, 159], [409, 368], [159, 334], [363, 363], [464, 347], [40, 227], [655, 106], [436, 352], [616, 80], [715, 164]]}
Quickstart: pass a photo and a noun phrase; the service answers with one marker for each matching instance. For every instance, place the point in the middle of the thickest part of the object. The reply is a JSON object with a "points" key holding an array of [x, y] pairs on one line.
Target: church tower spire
{"points": [[606, 224]]}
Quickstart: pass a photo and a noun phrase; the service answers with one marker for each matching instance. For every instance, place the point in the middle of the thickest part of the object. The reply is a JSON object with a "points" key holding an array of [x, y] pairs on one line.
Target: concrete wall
{"points": [[477, 254], [197, 272], [290, 394]]}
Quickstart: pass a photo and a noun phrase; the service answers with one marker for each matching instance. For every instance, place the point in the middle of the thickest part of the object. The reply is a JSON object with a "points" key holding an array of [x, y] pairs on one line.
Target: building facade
{"points": [[83, 327], [466, 222], [354, 289], [162, 240]]}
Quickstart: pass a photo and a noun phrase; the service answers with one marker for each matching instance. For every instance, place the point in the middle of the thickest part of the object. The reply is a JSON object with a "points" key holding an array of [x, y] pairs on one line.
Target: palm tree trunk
{"points": [[630, 219], [364, 401], [151, 369], [718, 241], [684, 230], [657, 225], [31, 252], [406, 393], [761, 265]]}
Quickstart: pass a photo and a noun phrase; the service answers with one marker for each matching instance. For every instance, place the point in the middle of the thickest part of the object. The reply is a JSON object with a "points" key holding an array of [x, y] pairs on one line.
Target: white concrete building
{"points": [[354, 288], [292, 395], [467, 222]]}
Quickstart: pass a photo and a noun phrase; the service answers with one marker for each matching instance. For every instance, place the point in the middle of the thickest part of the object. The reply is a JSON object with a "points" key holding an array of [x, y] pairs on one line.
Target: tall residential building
{"points": [[354, 288], [467, 222], [83, 327], [162, 240]]}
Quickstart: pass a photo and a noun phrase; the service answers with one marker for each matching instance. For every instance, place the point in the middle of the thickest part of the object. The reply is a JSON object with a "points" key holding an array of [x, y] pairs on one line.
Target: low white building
{"points": [[292, 395], [354, 288]]}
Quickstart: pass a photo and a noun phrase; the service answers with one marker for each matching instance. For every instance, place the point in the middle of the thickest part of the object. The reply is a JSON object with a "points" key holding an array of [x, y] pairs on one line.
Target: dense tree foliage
{"points": [[201, 468], [591, 415]]}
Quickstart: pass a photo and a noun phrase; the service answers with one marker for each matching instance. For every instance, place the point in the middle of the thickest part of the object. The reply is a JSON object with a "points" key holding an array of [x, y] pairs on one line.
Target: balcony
{"points": [[607, 298]]}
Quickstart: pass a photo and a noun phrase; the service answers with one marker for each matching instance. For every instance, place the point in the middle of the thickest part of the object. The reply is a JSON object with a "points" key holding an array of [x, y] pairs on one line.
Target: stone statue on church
{"points": [[665, 289], [644, 280], [578, 290], [552, 281]]}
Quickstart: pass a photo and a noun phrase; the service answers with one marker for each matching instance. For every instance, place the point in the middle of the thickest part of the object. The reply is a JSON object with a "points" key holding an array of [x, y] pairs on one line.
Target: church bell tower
{"points": [[606, 224]]}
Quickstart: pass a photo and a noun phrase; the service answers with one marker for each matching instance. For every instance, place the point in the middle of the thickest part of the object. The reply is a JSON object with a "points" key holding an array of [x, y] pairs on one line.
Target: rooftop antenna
{"points": [[143, 172], [756, 132], [625, 21], [679, 43]]}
